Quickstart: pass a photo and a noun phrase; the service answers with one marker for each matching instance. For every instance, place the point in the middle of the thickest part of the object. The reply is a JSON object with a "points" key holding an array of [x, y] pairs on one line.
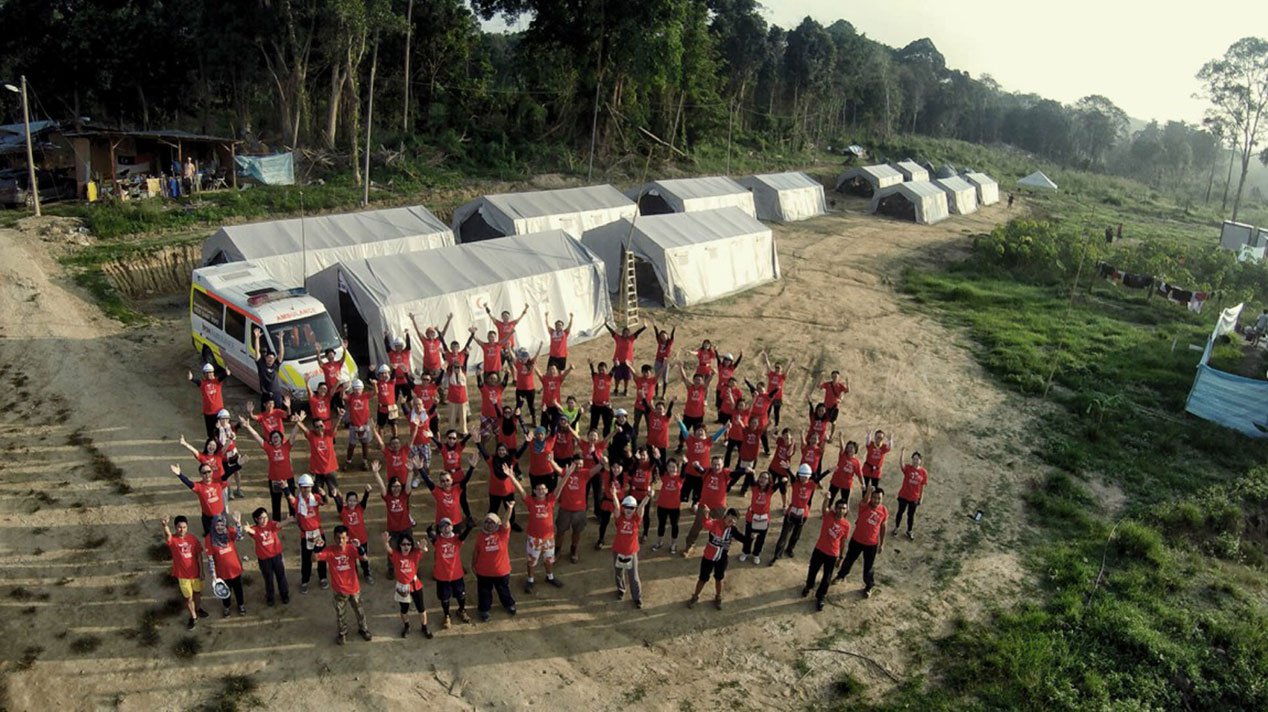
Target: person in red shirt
{"points": [[491, 389], [878, 446], [446, 571], [760, 410], [639, 476], [419, 434], [574, 487], [404, 557], [659, 418], [623, 356], [713, 487], [271, 418], [506, 326], [800, 495], [455, 386], [713, 562], [625, 546], [812, 450], [449, 495], [819, 424], [491, 562], [664, 351], [186, 567], [539, 545], [357, 416], [558, 334], [706, 357], [780, 465], [757, 517], [396, 493], [351, 509], [323, 463], [277, 451], [428, 391], [645, 387], [212, 453], [552, 392], [833, 389], [525, 387], [847, 470], [268, 554], [223, 560], [433, 346], [491, 352], [776, 375], [332, 377], [697, 398], [600, 397], [834, 527], [868, 539], [306, 503], [669, 506], [347, 588], [912, 493], [400, 359], [385, 389], [727, 366], [209, 490], [730, 401], [699, 444], [211, 388], [735, 428]]}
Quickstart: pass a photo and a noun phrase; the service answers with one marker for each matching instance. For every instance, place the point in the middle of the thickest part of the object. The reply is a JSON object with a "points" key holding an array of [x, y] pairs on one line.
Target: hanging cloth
{"points": [[1137, 281]]}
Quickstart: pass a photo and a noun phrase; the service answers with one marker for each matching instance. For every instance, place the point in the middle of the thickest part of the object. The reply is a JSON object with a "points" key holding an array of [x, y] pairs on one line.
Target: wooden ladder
{"points": [[630, 289]]}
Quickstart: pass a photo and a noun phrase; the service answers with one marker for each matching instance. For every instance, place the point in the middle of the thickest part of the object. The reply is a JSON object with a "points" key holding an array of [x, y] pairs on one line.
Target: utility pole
{"points": [[30, 153]]}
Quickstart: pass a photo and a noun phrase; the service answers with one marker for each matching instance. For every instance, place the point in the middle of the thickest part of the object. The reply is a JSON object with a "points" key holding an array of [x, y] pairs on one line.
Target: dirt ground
{"points": [[90, 414]]}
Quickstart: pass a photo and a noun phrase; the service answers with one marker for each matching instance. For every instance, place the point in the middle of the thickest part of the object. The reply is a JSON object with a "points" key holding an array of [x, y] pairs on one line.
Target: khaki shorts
{"points": [[190, 586], [360, 434], [575, 521], [538, 549]]}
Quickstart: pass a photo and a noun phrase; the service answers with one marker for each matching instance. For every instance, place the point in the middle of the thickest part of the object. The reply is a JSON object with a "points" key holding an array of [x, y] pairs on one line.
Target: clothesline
{"points": [[1190, 298]]}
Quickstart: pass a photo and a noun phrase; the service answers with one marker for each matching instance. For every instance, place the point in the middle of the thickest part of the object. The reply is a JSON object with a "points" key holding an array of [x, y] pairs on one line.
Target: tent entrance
{"points": [[857, 186], [475, 228], [652, 204], [649, 288], [897, 206], [355, 330]]}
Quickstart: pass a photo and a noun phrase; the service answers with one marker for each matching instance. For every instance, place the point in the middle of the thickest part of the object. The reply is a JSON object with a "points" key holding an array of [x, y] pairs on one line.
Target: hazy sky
{"points": [[1142, 55]]}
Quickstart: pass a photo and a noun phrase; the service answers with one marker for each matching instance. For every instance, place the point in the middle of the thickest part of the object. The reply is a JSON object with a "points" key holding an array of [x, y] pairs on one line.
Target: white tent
{"points": [[290, 250], [1233, 235], [987, 188], [961, 195], [866, 180], [550, 271], [786, 196], [1038, 181], [911, 171], [695, 257], [924, 202], [572, 209], [685, 195]]}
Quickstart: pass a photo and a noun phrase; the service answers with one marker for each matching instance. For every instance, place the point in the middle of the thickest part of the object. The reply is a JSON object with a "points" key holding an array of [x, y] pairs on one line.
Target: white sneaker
{"points": [[414, 483], [757, 560], [673, 548], [743, 557]]}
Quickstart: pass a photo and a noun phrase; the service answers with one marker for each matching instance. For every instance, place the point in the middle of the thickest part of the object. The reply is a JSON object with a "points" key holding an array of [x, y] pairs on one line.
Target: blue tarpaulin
{"points": [[1230, 400], [278, 169]]}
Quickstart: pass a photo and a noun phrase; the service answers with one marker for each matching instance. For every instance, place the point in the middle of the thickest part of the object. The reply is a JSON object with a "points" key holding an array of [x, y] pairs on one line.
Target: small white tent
{"points": [[694, 257], [924, 203], [573, 209], [290, 250], [786, 196], [1233, 235], [685, 195], [551, 272], [961, 195], [987, 188], [911, 171], [1037, 181], [866, 180]]}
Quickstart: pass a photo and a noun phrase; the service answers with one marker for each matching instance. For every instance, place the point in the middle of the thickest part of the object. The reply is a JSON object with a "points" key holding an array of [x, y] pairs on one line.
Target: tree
{"points": [[1237, 87], [1101, 125]]}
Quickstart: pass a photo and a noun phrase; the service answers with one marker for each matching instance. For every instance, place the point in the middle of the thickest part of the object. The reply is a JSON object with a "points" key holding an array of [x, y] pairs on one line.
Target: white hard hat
{"points": [[398, 342], [208, 368], [305, 480], [804, 470], [728, 357], [629, 501], [357, 384], [621, 411], [221, 414], [384, 368]]}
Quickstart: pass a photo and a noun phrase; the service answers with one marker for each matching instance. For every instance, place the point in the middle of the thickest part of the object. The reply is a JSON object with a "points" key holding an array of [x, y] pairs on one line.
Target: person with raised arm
{"points": [[351, 509], [714, 482], [780, 465], [727, 366], [447, 493], [645, 387], [267, 365], [433, 341], [187, 569], [848, 470], [552, 392], [267, 534], [404, 556], [491, 352], [491, 561], [271, 418], [222, 556], [211, 388], [699, 444], [625, 546], [396, 495], [331, 375], [503, 467], [400, 361], [713, 562], [757, 517], [706, 358], [540, 543], [491, 386], [209, 490], [447, 571], [505, 326], [801, 492], [623, 356], [833, 528], [912, 492], [776, 376], [323, 463], [878, 446], [525, 387], [558, 334], [600, 397], [277, 451], [664, 352], [306, 503], [669, 506], [697, 399], [868, 539], [833, 389], [357, 417]]}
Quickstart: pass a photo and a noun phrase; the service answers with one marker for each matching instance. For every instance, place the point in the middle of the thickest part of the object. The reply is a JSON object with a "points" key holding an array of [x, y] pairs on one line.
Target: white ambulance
{"points": [[228, 303]]}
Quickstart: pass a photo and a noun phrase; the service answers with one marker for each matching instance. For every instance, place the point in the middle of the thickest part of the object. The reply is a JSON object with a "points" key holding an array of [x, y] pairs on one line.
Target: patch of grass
{"points": [[187, 647], [237, 692], [30, 654], [635, 694], [85, 644], [21, 593], [96, 542], [102, 468]]}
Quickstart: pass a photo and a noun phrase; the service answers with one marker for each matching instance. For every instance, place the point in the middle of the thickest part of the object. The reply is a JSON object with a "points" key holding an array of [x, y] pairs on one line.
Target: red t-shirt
{"points": [[832, 530], [559, 343], [429, 393], [456, 393], [541, 457], [217, 462], [749, 444], [799, 494], [812, 455], [697, 396], [524, 376], [406, 568], [492, 557], [781, 463], [832, 392], [343, 570], [451, 457], [321, 453], [623, 348], [398, 518], [279, 457], [490, 400], [658, 430], [759, 502], [868, 524], [644, 391], [228, 564], [185, 556], [385, 392], [704, 361], [698, 452], [432, 349], [914, 481], [448, 503], [456, 358], [663, 349], [639, 479], [330, 371], [541, 517], [626, 542], [492, 356], [268, 540], [726, 371], [396, 462], [760, 408], [400, 362], [310, 521], [670, 496], [775, 384], [506, 332], [601, 388], [713, 494], [446, 558], [319, 407], [354, 519], [573, 498], [847, 467], [875, 459], [735, 428], [211, 497], [271, 421], [551, 388], [358, 408], [213, 396], [565, 445]]}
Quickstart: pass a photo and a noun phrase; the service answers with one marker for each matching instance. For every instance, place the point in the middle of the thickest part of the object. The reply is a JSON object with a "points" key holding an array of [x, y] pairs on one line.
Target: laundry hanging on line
{"points": [[1193, 300]]}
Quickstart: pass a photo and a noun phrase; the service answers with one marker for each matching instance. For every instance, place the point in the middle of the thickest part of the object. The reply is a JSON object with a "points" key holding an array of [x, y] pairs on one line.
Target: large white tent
{"points": [[290, 250], [550, 272], [1037, 181], [685, 195], [694, 257], [866, 180], [961, 195], [987, 188], [786, 196], [911, 171], [573, 209], [924, 203]]}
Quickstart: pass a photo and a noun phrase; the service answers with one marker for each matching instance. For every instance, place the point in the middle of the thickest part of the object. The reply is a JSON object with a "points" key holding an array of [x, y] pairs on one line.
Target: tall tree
{"points": [[1101, 125], [1237, 87]]}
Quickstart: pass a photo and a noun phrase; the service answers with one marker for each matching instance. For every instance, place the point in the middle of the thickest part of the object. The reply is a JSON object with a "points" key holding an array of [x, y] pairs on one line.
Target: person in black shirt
{"points": [[266, 367]]}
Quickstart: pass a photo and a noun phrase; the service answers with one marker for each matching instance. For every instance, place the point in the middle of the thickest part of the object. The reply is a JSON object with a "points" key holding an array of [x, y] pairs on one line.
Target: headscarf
{"points": [[218, 539]]}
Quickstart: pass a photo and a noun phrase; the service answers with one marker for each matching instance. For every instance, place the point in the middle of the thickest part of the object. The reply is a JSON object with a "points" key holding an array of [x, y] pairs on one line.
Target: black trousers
{"points": [[692, 488], [306, 563], [756, 539], [820, 560], [529, 398], [210, 422], [486, 585], [277, 495], [274, 569], [601, 413], [670, 515], [852, 555], [731, 446], [789, 533], [449, 590], [907, 507], [605, 518], [235, 586]]}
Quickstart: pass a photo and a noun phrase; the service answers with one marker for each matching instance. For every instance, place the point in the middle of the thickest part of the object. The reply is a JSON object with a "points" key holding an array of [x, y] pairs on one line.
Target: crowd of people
{"points": [[409, 428]]}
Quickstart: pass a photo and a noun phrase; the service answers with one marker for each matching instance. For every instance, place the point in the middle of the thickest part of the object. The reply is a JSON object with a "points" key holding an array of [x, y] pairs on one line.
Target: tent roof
{"points": [[946, 171], [878, 171], [539, 203], [977, 178], [1038, 180], [674, 230], [955, 183], [279, 237], [785, 181], [910, 165], [692, 188], [405, 278], [913, 189]]}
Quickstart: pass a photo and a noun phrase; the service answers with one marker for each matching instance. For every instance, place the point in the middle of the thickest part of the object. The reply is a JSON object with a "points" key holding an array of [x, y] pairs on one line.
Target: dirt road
{"points": [[90, 414]]}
